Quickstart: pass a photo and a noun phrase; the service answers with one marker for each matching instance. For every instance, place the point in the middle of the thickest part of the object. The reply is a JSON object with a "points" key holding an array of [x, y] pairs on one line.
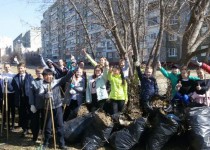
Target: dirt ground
{"points": [[15, 142]]}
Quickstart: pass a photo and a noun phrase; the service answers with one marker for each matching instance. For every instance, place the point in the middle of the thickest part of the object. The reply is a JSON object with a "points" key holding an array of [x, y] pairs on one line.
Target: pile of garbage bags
{"points": [[157, 132]]}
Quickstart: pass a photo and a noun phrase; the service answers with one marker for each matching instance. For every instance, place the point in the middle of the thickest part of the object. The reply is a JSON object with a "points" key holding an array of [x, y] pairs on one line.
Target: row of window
{"points": [[172, 52], [109, 55], [156, 20], [108, 44], [171, 37]]}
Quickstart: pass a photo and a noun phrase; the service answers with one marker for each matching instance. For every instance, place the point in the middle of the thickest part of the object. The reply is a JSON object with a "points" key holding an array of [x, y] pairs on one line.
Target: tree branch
{"points": [[84, 26]]}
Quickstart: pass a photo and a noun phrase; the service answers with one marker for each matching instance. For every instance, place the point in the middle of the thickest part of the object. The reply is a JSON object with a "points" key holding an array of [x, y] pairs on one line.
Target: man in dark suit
{"points": [[21, 84]]}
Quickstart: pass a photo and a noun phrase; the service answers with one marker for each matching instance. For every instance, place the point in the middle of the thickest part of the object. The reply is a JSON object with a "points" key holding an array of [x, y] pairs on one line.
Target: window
{"points": [[172, 37], [109, 55], [72, 49], [72, 33], [77, 16], [117, 55], [71, 11], [153, 21], [109, 44], [103, 44], [172, 52], [203, 30], [99, 54], [153, 36], [203, 54], [204, 47], [173, 20], [92, 26]]}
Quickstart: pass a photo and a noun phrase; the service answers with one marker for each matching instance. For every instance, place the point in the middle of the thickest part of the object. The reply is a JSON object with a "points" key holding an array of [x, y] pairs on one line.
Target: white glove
{"points": [[197, 62], [72, 91], [33, 109], [48, 95], [15, 59]]}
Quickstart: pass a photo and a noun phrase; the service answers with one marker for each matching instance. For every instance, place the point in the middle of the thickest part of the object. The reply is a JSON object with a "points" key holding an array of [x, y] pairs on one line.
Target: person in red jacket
{"points": [[203, 66]]}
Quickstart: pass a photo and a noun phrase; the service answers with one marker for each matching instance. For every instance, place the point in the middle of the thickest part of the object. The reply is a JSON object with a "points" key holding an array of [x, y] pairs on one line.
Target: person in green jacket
{"points": [[119, 94], [173, 76]]}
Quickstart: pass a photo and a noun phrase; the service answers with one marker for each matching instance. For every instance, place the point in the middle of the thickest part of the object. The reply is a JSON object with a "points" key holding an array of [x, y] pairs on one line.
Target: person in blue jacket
{"points": [[149, 88], [21, 84]]}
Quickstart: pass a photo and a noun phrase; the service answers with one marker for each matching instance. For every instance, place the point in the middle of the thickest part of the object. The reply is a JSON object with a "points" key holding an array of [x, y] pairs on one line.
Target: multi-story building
{"points": [[28, 42], [63, 33], [5, 47], [170, 46], [171, 49]]}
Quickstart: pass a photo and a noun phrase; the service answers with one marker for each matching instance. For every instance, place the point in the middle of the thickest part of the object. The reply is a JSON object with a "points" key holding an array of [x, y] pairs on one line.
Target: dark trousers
{"points": [[37, 121], [11, 109], [184, 98], [96, 104], [70, 111], [117, 105], [145, 104], [24, 113], [58, 121]]}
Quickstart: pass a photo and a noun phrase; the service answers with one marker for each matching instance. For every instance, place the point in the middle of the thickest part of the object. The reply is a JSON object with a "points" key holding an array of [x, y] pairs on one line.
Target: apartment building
{"points": [[27, 42], [63, 33], [5, 47], [171, 49]]}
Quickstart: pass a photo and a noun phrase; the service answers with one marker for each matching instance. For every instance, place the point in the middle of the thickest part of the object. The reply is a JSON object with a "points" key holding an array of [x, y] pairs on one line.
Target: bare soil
{"points": [[82, 110], [107, 120]]}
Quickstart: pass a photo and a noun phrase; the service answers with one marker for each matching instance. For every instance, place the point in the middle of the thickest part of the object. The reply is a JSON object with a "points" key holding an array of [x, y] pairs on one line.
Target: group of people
{"points": [[186, 90], [68, 87]]}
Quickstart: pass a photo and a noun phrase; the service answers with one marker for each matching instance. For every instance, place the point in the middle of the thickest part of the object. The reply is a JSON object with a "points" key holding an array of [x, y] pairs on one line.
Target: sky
{"points": [[18, 16]]}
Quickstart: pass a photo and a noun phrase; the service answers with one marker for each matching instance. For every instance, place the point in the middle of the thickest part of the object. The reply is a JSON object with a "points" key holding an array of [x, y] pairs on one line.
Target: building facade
{"points": [[5, 48], [28, 42], [63, 34]]}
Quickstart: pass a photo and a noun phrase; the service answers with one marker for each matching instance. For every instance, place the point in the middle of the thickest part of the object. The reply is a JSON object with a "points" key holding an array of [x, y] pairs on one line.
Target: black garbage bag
{"points": [[75, 128], [177, 142], [199, 128], [163, 128], [128, 137], [97, 134]]}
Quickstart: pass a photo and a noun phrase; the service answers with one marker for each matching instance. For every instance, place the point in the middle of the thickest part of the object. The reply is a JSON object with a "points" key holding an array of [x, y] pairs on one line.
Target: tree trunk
{"points": [[192, 38], [154, 55]]}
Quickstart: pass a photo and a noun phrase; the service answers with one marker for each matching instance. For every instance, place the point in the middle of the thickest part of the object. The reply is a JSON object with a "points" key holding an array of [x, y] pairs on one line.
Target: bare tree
{"points": [[123, 21], [192, 38]]}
